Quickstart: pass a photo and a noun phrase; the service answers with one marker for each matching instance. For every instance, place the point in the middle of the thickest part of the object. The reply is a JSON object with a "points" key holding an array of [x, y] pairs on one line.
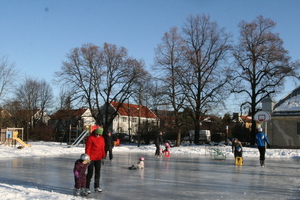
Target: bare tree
{"points": [[45, 95], [28, 93], [169, 61], [34, 96], [205, 74], [65, 99], [262, 63], [45, 98], [8, 75], [100, 75], [14, 107]]}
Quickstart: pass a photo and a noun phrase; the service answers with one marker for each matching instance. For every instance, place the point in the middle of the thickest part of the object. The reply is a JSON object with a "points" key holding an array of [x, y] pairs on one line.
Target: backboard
{"points": [[262, 116]]}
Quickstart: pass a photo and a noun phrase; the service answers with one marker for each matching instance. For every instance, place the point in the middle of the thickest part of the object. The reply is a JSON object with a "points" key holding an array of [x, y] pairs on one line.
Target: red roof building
{"points": [[133, 110], [62, 119], [129, 115]]}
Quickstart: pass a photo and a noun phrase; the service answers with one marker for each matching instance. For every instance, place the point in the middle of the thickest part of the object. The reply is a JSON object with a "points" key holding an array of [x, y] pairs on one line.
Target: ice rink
{"points": [[176, 177]]}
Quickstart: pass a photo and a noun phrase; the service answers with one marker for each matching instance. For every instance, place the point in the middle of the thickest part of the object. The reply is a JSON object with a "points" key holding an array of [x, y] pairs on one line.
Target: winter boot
{"points": [[262, 163]]}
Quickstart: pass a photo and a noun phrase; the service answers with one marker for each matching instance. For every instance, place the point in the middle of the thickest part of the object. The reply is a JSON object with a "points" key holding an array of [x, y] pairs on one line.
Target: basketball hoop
{"points": [[262, 116]]}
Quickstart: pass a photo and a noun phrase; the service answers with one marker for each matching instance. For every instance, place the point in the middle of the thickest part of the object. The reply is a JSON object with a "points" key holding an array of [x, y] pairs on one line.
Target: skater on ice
{"points": [[95, 148], [109, 144], [261, 139], [79, 170], [158, 142], [139, 165]]}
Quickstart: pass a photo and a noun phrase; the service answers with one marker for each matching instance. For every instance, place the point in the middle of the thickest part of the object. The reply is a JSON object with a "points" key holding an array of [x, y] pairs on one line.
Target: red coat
{"points": [[95, 147]]}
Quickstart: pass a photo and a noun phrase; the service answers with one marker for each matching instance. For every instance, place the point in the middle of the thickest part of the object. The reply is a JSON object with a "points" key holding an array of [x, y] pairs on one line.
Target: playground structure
{"points": [[9, 136], [86, 132], [217, 154], [117, 142]]}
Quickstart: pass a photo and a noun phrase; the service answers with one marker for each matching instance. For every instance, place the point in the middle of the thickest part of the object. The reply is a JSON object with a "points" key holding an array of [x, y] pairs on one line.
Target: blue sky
{"points": [[37, 35]]}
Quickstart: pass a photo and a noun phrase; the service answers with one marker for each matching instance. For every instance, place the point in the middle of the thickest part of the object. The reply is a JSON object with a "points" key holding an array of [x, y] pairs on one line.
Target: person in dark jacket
{"points": [[158, 142], [237, 148], [95, 148], [109, 144], [79, 175]]}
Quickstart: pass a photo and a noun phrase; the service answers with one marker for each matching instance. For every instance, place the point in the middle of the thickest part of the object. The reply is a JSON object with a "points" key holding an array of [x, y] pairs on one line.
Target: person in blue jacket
{"points": [[261, 139]]}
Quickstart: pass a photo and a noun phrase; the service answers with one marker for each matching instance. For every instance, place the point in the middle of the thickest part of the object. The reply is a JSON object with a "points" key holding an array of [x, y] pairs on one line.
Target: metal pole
{"points": [[129, 121], [139, 125], [70, 134]]}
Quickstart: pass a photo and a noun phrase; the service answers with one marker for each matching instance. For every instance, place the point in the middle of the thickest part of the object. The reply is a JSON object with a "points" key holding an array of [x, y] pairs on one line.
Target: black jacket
{"points": [[109, 142], [158, 140]]}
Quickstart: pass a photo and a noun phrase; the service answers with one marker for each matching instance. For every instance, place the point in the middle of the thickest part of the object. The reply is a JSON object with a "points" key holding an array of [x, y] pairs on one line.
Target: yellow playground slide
{"points": [[15, 137], [22, 143]]}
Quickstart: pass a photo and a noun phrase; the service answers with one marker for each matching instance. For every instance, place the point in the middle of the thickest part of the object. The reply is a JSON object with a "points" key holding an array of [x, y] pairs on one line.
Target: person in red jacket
{"points": [[95, 148]]}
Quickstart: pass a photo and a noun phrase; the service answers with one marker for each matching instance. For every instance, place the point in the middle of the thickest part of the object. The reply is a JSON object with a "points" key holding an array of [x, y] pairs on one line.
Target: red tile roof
{"points": [[71, 114], [133, 110], [246, 118]]}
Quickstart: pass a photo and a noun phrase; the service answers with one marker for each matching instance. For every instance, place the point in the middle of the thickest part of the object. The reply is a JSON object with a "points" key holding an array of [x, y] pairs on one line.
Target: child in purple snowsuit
{"points": [[80, 167]]}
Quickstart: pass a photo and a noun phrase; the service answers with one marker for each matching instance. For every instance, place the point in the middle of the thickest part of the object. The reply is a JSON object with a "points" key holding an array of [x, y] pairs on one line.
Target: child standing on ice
{"points": [[80, 167], [139, 165], [237, 148]]}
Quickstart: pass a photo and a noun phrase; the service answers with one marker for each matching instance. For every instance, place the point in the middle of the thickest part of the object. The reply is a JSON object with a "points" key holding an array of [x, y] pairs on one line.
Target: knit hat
{"points": [[260, 130], [99, 131]]}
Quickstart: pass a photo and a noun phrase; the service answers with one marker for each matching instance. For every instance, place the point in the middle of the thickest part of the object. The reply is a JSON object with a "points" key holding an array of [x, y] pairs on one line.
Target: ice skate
{"points": [[76, 192], [98, 189], [88, 191], [84, 192]]}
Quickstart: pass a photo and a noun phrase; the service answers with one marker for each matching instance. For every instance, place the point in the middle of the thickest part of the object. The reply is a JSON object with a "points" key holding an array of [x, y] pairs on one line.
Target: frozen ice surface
{"points": [[176, 177]]}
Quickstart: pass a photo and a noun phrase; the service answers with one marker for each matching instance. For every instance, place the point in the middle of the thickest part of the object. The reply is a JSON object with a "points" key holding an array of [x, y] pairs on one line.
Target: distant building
{"points": [[244, 120], [128, 116], [30, 118], [79, 118], [5, 114], [283, 129]]}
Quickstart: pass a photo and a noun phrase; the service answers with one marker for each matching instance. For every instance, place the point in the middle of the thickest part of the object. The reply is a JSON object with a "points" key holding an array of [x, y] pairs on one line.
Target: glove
{"points": [[268, 145], [76, 174], [102, 161]]}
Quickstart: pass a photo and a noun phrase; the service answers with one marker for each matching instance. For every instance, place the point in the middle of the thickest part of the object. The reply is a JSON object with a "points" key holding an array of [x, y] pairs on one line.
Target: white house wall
{"points": [[119, 126], [87, 118], [282, 131]]}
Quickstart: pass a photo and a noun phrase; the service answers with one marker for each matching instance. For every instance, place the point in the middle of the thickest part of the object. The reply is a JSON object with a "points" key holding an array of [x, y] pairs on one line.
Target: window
{"points": [[298, 128], [124, 119], [134, 120]]}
